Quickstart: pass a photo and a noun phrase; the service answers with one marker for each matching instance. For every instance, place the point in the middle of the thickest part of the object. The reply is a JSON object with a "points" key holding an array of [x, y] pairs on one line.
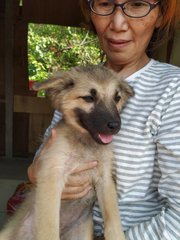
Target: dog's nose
{"points": [[113, 125]]}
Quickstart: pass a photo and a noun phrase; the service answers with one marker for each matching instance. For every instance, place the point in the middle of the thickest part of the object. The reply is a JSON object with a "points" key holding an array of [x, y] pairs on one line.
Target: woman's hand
{"points": [[33, 168], [76, 186]]}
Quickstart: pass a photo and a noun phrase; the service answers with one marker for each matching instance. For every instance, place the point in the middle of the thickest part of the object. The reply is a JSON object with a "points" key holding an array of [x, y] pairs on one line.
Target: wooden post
{"points": [[9, 36]]}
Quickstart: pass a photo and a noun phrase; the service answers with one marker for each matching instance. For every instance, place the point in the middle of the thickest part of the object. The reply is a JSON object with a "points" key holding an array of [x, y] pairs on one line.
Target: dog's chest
{"points": [[101, 154], [73, 154]]}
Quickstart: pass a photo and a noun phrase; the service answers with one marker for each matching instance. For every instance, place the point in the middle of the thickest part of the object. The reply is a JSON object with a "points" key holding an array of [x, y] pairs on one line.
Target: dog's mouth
{"points": [[104, 138], [101, 125]]}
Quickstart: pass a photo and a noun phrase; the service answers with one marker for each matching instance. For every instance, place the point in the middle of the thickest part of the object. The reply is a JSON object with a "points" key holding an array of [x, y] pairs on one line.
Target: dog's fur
{"points": [[90, 99]]}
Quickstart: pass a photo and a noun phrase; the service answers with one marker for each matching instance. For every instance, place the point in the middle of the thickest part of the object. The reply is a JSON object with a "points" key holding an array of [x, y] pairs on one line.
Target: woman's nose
{"points": [[119, 21]]}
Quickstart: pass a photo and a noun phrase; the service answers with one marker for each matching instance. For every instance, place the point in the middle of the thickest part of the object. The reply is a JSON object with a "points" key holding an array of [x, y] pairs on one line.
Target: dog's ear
{"points": [[126, 91], [126, 88], [55, 86], [57, 83]]}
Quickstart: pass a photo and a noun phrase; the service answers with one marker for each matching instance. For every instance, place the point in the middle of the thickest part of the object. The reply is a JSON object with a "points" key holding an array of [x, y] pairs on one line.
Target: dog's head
{"points": [[90, 99]]}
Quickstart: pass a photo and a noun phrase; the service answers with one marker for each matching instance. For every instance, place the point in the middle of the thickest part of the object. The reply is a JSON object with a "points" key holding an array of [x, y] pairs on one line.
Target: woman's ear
{"points": [[159, 20]]}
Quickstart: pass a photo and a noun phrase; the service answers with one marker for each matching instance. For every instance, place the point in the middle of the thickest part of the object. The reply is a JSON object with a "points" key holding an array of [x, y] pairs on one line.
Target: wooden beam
{"points": [[66, 13], [9, 33], [35, 105]]}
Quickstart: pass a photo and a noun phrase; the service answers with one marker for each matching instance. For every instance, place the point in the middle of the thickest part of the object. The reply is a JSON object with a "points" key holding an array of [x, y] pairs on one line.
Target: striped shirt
{"points": [[147, 156]]}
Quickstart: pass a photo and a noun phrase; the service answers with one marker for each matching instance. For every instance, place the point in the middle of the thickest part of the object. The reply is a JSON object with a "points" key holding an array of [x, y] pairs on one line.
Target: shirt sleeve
{"points": [[165, 225], [55, 120]]}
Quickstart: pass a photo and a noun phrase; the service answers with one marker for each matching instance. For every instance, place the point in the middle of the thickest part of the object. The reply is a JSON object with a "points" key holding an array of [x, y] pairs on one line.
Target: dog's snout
{"points": [[113, 125]]}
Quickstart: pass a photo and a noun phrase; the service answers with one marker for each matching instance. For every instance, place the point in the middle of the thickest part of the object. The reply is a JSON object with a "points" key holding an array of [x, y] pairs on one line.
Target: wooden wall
{"points": [[2, 84], [39, 112], [52, 12], [23, 129]]}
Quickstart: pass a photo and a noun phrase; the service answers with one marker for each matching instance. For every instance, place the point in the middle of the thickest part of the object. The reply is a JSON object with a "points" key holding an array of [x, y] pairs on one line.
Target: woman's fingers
{"points": [[49, 141], [85, 166], [72, 193], [78, 184], [31, 173], [34, 167], [77, 180]]}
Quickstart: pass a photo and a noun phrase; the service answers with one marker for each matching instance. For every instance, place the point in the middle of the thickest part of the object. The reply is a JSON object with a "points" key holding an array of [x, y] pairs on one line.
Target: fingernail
{"points": [[94, 163]]}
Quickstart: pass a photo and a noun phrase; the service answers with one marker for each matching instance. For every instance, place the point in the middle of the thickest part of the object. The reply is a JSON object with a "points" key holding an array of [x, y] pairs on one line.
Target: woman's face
{"points": [[125, 39]]}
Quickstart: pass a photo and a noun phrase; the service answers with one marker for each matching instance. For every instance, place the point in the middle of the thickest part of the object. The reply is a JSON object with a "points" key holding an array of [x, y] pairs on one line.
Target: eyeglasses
{"points": [[131, 8]]}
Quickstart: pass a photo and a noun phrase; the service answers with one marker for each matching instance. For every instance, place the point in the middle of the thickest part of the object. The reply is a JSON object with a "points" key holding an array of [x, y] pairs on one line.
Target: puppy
{"points": [[90, 99]]}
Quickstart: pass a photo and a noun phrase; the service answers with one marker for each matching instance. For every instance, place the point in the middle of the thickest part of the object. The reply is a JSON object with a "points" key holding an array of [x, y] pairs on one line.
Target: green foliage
{"points": [[52, 47]]}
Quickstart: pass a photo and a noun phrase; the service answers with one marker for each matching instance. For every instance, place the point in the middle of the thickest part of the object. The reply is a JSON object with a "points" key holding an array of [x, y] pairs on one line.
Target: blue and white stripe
{"points": [[147, 156]]}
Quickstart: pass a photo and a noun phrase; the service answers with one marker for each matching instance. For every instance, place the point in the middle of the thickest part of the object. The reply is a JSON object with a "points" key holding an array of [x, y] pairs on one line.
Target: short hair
{"points": [[170, 16]]}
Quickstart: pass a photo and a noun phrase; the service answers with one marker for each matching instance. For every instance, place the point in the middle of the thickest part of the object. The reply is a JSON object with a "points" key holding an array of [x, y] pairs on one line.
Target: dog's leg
{"points": [[21, 224], [89, 229], [107, 198], [6, 234], [47, 205], [82, 231], [85, 230]]}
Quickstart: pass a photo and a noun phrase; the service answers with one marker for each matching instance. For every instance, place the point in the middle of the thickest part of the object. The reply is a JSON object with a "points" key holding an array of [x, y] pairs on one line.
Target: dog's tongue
{"points": [[105, 138]]}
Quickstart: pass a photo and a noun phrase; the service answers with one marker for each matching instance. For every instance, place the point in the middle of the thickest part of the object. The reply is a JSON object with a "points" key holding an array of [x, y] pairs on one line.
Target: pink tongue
{"points": [[105, 138]]}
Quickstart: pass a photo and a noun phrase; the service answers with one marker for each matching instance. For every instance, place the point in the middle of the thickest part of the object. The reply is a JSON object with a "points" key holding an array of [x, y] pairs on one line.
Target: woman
{"points": [[147, 149]]}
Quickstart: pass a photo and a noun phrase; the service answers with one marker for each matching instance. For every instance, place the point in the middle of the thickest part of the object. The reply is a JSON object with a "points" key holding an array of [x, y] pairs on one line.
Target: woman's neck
{"points": [[126, 70]]}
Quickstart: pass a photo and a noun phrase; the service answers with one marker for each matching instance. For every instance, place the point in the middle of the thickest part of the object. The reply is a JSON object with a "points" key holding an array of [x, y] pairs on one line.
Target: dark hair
{"points": [[170, 16]]}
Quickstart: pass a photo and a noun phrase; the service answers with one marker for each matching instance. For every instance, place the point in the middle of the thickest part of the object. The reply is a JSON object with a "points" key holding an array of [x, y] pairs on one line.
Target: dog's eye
{"points": [[117, 98], [88, 99]]}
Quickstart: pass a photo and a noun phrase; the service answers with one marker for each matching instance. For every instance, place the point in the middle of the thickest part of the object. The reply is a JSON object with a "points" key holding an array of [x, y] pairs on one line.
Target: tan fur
{"points": [[39, 218]]}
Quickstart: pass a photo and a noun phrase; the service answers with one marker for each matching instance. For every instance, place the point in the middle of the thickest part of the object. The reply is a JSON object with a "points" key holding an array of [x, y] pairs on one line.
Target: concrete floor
{"points": [[7, 188], [12, 172]]}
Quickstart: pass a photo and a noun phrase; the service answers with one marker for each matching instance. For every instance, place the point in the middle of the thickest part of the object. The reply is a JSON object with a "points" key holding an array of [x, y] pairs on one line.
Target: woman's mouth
{"points": [[117, 44]]}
